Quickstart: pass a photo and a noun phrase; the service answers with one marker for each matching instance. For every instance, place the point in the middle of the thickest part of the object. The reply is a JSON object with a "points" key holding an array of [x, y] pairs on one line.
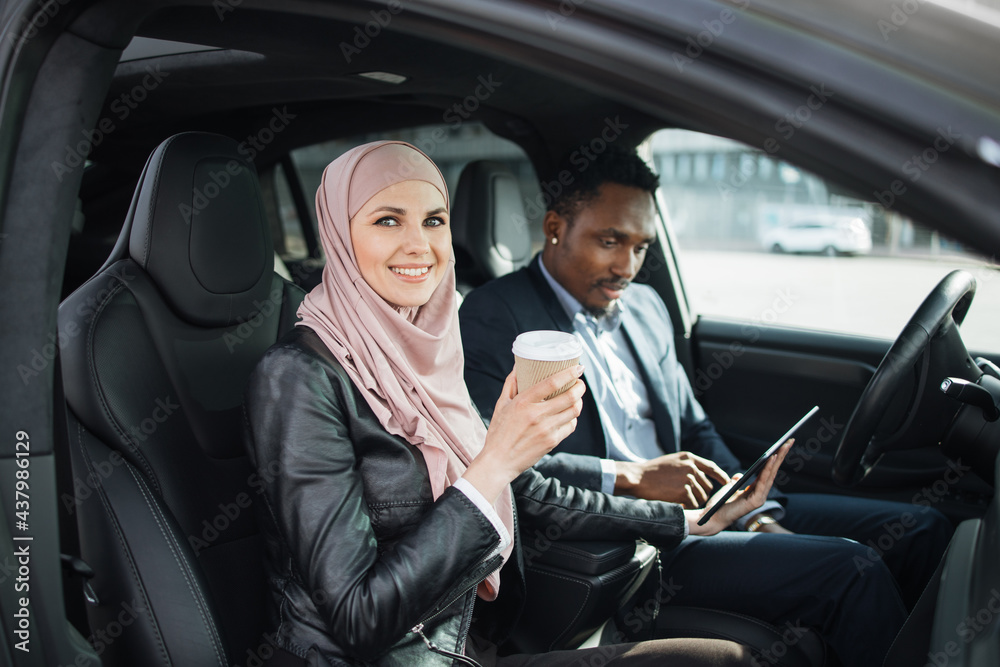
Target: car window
{"points": [[286, 228], [765, 241], [451, 147], [294, 242]]}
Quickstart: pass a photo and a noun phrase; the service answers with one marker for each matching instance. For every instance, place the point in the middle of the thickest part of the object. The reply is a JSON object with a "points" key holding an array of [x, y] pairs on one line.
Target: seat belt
{"points": [[69, 538]]}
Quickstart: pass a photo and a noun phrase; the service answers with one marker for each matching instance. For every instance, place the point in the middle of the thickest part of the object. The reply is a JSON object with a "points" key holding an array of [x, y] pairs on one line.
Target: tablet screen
{"points": [[756, 467]]}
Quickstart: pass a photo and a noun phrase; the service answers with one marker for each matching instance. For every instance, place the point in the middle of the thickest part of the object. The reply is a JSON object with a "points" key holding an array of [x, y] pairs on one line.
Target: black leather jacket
{"points": [[358, 553]]}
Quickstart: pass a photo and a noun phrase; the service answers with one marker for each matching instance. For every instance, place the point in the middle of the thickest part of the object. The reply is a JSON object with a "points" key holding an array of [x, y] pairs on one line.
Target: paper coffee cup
{"points": [[539, 354]]}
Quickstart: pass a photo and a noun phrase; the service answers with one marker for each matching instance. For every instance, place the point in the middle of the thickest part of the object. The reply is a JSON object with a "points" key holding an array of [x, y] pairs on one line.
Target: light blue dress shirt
{"points": [[613, 375]]}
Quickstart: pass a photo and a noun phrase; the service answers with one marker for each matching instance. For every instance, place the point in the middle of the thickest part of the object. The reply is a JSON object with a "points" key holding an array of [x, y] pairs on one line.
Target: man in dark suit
{"points": [[642, 431]]}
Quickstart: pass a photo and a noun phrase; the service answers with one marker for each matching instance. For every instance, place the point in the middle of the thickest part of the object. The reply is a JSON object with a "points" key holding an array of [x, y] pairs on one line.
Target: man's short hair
{"points": [[615, 165]]}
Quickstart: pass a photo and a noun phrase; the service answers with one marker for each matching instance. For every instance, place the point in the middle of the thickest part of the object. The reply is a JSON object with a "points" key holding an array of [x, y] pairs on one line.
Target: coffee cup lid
{"points": [[544, 345]]}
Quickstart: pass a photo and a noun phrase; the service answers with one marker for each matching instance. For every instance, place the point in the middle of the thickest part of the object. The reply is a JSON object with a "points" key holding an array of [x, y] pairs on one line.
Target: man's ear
{"points": [[553, 226]]}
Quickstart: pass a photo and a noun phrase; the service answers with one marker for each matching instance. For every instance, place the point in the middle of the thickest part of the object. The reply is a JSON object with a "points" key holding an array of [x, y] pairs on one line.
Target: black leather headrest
{"points": [[197, 226], [488, 221]]}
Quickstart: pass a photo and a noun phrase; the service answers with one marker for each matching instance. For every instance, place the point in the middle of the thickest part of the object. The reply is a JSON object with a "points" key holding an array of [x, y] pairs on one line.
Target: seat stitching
{"points": [[102, 494], [580, 607], [118, 287], [183, 566], [152, 200]]}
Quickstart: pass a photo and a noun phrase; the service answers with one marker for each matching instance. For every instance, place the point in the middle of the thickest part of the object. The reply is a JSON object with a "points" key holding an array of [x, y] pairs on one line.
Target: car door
{"points": [[771, 335]]}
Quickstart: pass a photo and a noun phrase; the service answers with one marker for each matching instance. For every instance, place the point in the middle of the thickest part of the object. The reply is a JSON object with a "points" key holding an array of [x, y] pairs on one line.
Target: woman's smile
{"points": [[411, 273]]}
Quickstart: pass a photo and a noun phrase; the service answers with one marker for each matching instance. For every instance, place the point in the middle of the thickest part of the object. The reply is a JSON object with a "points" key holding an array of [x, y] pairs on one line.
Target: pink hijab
{"points": [[407, 362]]}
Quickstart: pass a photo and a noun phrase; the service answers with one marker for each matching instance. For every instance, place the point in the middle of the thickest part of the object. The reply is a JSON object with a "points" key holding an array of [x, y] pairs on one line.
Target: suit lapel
{"points": [[583, 440], [550, 302]]}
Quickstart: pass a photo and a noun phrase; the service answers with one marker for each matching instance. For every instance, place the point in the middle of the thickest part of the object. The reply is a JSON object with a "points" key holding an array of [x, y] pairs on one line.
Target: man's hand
{"points": [[774, 528], [741, 502], [682, 478]]}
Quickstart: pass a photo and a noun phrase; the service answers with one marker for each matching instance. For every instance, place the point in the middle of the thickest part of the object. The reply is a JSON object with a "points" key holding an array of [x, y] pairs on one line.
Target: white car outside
{"points": [[830, 237]]}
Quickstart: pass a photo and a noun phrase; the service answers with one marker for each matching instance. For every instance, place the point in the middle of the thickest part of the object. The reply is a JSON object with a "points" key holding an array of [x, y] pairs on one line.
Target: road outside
{"points": [[869, 295]]}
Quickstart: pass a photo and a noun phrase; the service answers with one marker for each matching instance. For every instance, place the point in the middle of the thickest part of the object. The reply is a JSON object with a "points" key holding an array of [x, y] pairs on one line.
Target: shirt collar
{"points": [[574, 309]]}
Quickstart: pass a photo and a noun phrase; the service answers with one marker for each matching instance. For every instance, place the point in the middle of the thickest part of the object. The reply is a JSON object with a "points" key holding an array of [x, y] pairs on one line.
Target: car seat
{"points": [[489, 230], [155, 351]]}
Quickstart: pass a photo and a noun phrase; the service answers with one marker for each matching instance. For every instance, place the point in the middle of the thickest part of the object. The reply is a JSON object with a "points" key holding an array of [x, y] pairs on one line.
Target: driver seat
{"points": [[158, 348]]}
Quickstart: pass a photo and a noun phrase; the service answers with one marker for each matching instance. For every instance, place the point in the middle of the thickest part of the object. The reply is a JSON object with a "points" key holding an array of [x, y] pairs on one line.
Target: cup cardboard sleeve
{"points": [[539, 354]]}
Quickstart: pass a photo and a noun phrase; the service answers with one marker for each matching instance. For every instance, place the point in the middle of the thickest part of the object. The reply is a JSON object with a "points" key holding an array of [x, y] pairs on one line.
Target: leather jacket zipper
{"points": [[465, 660], [418, 629]]}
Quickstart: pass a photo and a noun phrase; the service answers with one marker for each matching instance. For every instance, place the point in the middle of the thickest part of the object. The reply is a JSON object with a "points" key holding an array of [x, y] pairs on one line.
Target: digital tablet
{"points": [[757, 466]]}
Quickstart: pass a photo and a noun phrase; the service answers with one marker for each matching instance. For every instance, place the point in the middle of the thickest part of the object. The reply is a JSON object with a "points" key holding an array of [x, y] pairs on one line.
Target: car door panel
{"points": [[755, 381]]}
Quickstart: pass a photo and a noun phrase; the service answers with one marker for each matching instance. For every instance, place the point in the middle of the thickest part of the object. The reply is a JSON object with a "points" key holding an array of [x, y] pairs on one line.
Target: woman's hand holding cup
{"points": [[525, 427]]}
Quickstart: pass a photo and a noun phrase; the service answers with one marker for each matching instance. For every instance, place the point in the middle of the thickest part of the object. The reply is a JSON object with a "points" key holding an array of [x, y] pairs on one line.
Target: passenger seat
{"points": [[158, 347]]}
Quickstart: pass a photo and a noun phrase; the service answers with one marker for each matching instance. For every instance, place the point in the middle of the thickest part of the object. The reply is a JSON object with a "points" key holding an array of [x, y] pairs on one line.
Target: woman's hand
{"points": [[743, 501], [524, 428]]}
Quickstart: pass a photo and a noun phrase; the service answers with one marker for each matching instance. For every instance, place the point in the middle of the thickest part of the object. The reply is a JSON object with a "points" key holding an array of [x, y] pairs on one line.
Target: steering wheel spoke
{"points": [[931, 344]]}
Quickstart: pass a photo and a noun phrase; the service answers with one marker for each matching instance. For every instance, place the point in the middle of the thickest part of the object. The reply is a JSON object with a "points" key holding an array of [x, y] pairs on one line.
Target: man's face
{"points": [[599, 253]]}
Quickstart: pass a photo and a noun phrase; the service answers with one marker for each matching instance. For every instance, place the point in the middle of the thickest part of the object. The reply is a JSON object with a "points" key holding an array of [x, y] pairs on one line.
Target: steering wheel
{"points": [[936, 319]]}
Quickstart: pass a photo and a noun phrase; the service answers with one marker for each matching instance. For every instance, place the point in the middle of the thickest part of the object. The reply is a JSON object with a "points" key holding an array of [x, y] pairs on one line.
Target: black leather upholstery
{"points": [[157, 348], [489, 229], [592, 580]]}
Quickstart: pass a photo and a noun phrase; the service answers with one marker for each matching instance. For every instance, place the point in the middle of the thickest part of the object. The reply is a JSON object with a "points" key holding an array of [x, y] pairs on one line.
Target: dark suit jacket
{"points": [[493, 315]]}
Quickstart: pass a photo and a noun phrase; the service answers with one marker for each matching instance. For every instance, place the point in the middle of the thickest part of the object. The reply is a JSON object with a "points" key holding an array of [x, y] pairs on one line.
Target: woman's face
{"points": [[402, 241]]}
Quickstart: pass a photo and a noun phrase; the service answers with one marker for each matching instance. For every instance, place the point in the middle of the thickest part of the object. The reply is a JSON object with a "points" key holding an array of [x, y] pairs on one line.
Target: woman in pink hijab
{"points": [[392, 520]]}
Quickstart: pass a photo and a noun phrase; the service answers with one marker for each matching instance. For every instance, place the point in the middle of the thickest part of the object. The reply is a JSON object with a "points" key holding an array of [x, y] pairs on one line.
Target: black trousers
{"points": [[842, 588], [909, 538]]}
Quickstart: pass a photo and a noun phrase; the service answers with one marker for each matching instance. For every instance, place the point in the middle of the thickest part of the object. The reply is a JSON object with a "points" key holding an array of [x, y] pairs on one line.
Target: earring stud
{"points": [[555, 241]]}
